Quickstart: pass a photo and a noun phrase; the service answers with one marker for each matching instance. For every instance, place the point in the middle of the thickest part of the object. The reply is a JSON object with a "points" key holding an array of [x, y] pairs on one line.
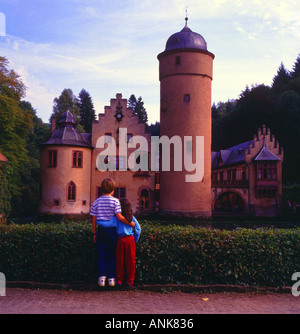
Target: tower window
{"points": [[177, 60], [187, 98], [52, 159], [77, 159]]}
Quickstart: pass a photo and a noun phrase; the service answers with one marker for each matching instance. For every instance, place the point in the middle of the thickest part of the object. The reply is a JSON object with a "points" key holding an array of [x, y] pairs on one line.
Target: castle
{"points": [[245, 179]]}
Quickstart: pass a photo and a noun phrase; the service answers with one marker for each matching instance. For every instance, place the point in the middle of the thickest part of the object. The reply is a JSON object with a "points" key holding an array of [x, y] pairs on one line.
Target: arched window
{"points": [[71, 192]]}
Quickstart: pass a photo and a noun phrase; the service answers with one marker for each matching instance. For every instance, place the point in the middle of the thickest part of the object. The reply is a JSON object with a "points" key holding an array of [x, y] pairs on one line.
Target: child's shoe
{"points": [[101, 280], [111, 281]]}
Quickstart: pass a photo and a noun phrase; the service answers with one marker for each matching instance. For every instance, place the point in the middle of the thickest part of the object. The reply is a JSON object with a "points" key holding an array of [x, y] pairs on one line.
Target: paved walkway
{"points": [[53, 301]]}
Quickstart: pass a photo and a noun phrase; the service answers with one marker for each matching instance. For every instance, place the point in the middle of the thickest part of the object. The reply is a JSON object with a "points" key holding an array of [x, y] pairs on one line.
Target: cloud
{"points": [[111, 47]]}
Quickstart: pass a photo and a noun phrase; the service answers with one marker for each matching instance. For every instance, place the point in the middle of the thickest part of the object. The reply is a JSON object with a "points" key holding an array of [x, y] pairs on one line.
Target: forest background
{"points": [[235, 121]]}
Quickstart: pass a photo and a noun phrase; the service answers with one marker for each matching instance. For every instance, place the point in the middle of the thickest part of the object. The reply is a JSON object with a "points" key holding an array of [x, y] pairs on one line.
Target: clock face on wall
{"points": [[119, 114]]}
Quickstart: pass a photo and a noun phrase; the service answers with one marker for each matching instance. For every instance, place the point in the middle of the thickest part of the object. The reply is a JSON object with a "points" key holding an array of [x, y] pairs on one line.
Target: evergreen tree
{"points": [[86, 110], [66, 101], [137, 106], [294, 83], [295, 73], [281, 80]]}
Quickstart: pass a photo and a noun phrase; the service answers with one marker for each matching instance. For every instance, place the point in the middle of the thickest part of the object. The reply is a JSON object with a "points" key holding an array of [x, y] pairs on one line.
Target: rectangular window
{"points": [[177, 60], [266, 171], [77, 159], [187, 98], [52, 159], [120, 193]]}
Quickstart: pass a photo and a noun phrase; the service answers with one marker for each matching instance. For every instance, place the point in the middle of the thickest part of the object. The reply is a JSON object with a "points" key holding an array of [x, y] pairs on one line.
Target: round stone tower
{"points": [[185, 73], [65, 170]]}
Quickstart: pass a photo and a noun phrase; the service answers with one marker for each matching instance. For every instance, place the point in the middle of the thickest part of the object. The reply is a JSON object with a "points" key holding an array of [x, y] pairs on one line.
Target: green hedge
{"points": [[65, 253]]}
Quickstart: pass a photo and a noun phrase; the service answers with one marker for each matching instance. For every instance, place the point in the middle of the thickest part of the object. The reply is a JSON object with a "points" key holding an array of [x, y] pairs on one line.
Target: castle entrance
{"points": [[229, 203]]}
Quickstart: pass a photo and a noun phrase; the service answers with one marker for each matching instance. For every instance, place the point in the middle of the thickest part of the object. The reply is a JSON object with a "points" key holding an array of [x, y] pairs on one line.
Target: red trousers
{"points": [[125, 259]]}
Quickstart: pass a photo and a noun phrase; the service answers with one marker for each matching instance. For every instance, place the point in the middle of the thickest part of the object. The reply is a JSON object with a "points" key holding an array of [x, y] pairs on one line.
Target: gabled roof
{"points": [[230, 156], [266, 155]]}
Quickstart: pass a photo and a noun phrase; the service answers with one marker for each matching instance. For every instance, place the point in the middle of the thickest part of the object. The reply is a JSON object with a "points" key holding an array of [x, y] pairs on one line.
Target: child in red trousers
{"points": [[126, 246]]}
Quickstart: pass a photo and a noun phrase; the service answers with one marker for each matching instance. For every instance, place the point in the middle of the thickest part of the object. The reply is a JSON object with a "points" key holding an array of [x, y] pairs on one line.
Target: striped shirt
{"points": [[105, 207]]}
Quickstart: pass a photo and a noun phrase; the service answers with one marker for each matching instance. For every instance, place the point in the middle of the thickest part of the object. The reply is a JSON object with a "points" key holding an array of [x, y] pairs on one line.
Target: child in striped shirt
{"points": [[105, 212]]}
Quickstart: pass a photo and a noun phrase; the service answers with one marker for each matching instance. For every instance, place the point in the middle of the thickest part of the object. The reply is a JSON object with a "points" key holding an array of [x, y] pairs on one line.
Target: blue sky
{"points": [[110, 47]]}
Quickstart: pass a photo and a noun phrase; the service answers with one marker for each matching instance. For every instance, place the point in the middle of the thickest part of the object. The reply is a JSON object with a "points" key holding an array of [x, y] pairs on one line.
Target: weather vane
{"points": [[186, 15]]}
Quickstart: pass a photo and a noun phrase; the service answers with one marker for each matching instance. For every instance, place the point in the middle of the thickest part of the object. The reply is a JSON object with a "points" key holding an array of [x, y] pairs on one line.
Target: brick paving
{"points": [[109, 301]]}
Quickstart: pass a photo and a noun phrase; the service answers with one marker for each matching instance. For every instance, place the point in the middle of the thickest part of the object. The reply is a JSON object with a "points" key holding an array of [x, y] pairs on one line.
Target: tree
{"points": [[66, 101], [295, 73], [255, 107], [86, 110], [286, 126], [137, 106], [154, 129], [27, 203], [281, 80], [220, 116], [15, 125]]}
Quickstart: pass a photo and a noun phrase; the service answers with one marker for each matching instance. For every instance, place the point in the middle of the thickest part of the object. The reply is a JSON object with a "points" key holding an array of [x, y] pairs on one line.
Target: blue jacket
{"points": [[122, 229]]}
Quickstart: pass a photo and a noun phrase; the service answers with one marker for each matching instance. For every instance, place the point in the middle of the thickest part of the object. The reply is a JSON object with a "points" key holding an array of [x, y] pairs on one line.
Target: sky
{"points": [[110, 47]]}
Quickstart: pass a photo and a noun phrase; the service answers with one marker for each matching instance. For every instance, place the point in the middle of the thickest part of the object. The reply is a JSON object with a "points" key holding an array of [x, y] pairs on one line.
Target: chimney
{"points": [[53, 124]]}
